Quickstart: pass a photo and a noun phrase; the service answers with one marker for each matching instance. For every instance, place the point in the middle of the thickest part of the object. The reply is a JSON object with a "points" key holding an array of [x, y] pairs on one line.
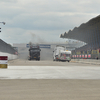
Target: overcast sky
{"points": [[43, 20]]}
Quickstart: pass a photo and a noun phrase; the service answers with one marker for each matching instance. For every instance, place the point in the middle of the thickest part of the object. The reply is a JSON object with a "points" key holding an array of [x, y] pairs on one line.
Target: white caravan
{"points": [[61, 54]]}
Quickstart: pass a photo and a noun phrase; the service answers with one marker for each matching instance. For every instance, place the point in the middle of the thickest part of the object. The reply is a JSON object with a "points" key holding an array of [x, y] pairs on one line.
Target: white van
{"points": [[61, 54]]}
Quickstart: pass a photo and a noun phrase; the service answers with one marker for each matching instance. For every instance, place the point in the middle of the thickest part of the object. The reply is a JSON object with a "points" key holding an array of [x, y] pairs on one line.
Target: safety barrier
{"points": [[3, 61]]}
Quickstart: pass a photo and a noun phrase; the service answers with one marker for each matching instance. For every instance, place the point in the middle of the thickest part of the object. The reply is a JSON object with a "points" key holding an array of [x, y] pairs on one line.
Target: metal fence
{"points": [[7, 48]]}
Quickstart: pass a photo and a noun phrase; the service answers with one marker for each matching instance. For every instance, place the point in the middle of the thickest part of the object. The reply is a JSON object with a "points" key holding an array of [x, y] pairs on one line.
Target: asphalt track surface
{"points": [[77, 81], [24, 69], [50, 89]]}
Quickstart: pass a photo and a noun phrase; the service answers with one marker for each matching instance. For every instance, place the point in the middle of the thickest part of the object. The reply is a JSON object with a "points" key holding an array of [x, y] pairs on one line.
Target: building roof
{"points": [[87, 32]]}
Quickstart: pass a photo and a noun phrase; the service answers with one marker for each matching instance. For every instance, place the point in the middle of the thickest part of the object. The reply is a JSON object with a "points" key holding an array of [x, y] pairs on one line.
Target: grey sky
{"points": [[43, 20]]}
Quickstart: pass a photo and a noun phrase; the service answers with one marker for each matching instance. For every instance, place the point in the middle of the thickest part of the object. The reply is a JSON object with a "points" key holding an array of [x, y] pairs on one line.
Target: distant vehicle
{"points": [[34, 53], [61, 54]]}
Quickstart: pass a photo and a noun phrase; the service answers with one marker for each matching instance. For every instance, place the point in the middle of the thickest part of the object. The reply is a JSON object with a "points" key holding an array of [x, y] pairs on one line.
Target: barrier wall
{"points": [[10, 56]]}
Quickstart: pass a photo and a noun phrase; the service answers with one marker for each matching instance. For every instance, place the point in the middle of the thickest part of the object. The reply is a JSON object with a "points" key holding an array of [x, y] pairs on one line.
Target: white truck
{"points": [[61, 54]]}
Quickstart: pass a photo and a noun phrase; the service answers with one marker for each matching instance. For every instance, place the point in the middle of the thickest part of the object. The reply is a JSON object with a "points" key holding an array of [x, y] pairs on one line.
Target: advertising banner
{"points": [[73, 56], [85, 56], [89, 56], [82, 56], [45, 46]]}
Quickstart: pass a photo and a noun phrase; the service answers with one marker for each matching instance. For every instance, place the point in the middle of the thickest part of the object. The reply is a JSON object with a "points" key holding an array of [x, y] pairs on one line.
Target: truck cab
{"points": [[34, 53]]}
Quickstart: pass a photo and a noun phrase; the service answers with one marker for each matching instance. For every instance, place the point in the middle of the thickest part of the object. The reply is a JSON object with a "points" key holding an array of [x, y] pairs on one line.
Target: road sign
{"points": [[27, 45]]}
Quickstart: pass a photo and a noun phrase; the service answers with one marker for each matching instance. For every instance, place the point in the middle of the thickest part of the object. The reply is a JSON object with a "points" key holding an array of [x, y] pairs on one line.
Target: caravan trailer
{"points": [[61, 54]]}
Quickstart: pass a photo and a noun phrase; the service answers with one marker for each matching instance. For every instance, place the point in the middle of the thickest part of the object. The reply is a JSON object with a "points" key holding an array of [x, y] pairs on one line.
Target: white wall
{"points": [[10, 56]]}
